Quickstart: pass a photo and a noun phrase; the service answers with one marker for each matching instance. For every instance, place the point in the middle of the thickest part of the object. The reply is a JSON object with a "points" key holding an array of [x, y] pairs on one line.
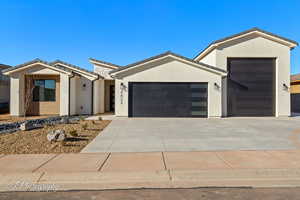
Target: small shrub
{"points": [[48, 126], [73, 133], [84, 126], [81, 118]]}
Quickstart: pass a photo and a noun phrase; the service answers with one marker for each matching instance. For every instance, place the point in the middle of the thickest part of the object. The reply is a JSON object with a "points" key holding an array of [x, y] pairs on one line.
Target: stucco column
{"points": [[64, 94], [17, 95]]}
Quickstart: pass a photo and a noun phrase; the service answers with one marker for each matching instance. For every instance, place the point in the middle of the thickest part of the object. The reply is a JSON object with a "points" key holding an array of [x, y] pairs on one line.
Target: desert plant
{"points": [[73, 133], [48, 126], [84, 126], [81, 118]]}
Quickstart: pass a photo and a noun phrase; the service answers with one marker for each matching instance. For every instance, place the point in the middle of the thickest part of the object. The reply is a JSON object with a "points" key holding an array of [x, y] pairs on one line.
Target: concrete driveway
{"points": [[173, 134]]}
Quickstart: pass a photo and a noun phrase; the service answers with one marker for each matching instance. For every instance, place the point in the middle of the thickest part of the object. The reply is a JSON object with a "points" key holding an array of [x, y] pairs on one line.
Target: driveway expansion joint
{"points": [[164, 160], [43, 164], [102, 165], [39, 179], [223, 160]]}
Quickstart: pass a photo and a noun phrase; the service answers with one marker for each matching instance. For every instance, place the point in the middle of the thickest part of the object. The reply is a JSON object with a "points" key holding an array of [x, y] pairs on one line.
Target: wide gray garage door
{"points": [[167, 99], [251, 87]]}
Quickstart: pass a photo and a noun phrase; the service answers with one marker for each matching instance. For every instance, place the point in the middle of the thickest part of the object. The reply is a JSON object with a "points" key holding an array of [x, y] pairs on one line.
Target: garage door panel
{"points": [[251, 87], [167, 99]]}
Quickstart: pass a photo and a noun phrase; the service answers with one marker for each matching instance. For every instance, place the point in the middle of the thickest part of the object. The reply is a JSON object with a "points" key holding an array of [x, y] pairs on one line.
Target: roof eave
{"points": [[174, 56], [12, 70], [291, 44], [79, 71], [103, 63]]}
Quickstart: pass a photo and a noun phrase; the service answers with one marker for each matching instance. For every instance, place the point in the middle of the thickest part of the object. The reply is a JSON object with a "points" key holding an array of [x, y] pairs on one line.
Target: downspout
{"points": [[70, 93], [92, 99]]}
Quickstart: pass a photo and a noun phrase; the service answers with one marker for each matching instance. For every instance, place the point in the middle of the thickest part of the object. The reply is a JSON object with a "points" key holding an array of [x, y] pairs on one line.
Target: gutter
{"points": [[92, 94], [69, 103]]}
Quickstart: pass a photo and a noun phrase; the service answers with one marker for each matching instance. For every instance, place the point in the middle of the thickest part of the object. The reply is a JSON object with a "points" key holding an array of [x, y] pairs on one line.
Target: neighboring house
{"points": [[4, 89], [247, 74], [295, 93]]}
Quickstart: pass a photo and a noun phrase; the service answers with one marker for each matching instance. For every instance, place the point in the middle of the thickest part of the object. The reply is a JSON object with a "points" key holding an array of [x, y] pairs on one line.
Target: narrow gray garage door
{"points": [[251, 87], [167, 99]]}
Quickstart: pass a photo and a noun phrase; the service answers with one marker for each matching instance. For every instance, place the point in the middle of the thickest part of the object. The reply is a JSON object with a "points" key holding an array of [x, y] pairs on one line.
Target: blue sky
{"points": [[123, 32]]}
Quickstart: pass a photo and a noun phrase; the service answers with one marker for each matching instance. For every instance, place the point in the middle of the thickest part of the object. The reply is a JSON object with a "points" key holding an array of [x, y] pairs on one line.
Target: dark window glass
{"points": [[44, 90]]}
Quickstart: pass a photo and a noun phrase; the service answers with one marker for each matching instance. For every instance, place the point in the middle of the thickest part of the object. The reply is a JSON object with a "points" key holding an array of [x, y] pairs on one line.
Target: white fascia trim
{"points": [[37, 63]]}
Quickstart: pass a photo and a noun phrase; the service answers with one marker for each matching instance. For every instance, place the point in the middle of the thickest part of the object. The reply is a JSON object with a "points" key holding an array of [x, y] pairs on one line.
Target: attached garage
{"points": [[251, 87], [171, 99], [168, 85]]}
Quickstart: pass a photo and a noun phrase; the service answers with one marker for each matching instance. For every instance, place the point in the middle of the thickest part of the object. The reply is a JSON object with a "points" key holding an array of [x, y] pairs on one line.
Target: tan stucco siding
{"points": [[171, 71], [99, 97]]}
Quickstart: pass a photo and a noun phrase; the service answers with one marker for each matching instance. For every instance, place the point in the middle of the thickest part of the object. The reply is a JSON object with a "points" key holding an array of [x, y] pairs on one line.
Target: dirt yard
{"points": [[35, 141]]}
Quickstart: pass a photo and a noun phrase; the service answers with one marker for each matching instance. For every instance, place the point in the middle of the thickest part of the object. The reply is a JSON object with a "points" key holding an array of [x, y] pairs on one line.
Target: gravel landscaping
{"points": [[35, 141], [6, 118]]}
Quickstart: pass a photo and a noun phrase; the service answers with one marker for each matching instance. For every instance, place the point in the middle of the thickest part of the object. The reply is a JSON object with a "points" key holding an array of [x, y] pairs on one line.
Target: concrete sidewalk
{"points": [[150, 170]]}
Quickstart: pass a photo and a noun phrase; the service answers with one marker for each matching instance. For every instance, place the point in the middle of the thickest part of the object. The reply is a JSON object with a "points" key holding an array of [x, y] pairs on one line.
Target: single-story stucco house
{"points": [[247, 74]]}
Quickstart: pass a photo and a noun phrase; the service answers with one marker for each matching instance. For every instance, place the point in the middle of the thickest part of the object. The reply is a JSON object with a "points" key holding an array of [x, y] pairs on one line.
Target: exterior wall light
{"points": [[217, 86], [285, 87], [122, 88]]}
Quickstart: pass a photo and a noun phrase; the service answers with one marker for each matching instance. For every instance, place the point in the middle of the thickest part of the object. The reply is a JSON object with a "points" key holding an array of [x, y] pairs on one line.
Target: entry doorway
{"points": [[109, 95]]}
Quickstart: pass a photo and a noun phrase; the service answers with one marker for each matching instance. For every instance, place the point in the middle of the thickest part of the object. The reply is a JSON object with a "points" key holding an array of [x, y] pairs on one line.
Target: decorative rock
{"points": [[35, 123], [56, 135], [61, 136], [65, 120], [25, 126]]}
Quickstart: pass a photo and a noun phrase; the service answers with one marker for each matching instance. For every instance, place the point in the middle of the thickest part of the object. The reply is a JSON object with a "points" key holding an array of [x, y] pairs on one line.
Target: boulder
{"points": [[56, 135], [25, 126]]}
